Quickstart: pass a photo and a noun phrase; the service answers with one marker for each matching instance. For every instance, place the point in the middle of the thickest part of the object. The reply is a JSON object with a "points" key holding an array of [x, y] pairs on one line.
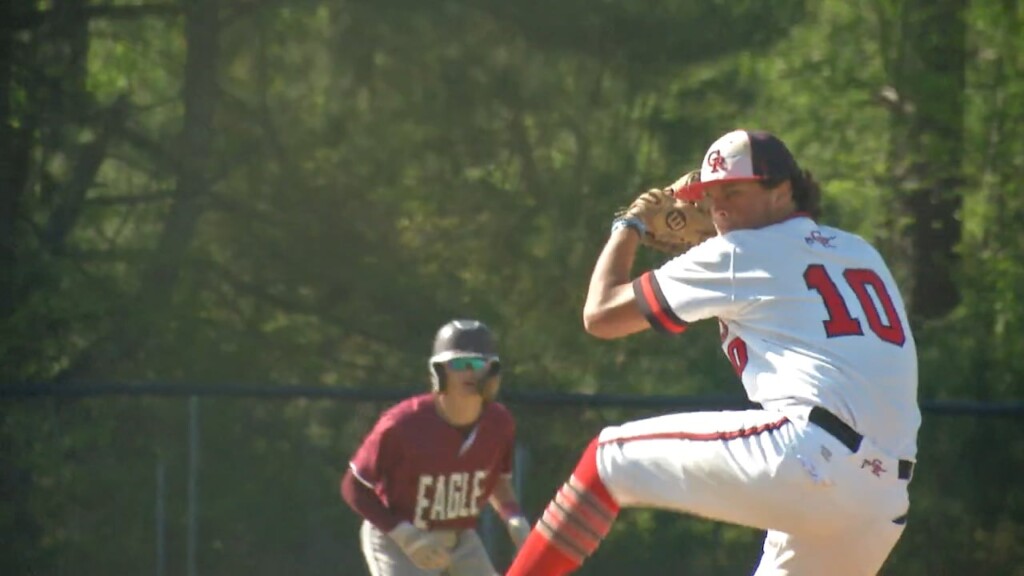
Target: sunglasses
{"points": [[468, 363]]}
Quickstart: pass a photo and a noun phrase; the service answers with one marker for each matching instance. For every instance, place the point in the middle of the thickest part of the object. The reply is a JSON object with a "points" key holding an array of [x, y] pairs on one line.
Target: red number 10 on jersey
{"points": [[840, 322]]}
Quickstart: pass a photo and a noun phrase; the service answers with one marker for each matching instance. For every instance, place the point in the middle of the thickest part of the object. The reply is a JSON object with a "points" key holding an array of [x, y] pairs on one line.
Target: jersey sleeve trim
{"points": [[355, 473], [655, 306]]}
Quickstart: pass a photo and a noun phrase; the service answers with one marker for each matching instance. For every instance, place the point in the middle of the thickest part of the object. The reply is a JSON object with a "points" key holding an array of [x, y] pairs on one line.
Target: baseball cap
{"points": [[744, 155], [747, 155]]}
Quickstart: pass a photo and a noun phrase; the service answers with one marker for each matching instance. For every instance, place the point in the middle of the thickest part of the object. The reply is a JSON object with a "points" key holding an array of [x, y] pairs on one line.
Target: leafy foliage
{"points": [[301, 192]]}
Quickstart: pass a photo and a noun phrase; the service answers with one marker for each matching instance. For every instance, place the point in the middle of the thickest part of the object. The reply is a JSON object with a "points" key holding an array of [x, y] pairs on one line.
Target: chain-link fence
{"points": [[229, 484]]}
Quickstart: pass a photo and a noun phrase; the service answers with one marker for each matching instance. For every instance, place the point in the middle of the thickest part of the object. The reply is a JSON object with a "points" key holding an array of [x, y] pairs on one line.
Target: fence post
{"points": [[161, 518], [521, 462], [193, 486]]}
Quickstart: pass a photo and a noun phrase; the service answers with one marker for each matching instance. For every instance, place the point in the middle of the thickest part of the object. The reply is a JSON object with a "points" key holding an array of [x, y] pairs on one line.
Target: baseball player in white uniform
{"points": [[813, 323]]}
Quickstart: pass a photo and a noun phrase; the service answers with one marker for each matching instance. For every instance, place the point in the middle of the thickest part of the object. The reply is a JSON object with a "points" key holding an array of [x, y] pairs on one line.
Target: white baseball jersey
{"points": [[810, 315]]}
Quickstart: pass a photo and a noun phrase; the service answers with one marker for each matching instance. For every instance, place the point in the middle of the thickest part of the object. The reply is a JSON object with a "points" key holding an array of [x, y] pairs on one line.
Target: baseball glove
{"points": [[672, 225]]}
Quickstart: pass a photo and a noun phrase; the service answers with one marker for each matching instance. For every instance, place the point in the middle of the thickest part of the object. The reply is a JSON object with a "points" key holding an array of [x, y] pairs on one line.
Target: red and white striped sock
{"points": [[573, 525]]}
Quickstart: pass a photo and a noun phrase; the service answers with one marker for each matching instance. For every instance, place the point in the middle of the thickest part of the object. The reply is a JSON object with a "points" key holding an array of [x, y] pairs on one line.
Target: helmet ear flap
{"points": [[494, 369], [436, 377]]}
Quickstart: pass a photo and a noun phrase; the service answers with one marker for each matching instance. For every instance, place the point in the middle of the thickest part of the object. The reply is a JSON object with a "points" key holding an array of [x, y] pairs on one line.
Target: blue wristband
{"points": [[629, 222]]}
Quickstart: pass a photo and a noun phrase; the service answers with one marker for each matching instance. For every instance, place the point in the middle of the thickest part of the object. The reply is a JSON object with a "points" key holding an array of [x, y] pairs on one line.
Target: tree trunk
{"points": [[927, 149], [11, 182], [153, 302], [193, 178]]}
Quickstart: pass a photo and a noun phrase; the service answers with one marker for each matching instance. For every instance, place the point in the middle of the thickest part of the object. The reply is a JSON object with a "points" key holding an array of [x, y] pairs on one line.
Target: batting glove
{"points": [[427, 551], [518, 530]]}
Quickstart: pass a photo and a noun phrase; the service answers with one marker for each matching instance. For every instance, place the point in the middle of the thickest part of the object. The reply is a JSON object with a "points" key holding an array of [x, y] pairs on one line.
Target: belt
{"points": [[850, 438]]}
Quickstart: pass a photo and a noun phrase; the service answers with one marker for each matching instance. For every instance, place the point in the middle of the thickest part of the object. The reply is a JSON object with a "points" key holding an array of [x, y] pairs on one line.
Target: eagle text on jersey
{"points": [[448, 496]]}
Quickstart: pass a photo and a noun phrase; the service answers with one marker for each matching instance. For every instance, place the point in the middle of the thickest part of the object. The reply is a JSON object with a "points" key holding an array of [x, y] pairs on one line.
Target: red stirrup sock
{"points": [[573, 525]]}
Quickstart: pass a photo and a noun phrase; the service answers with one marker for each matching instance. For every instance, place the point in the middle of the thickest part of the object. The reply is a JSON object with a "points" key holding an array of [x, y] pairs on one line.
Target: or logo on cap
{"points": [[716, 161]]}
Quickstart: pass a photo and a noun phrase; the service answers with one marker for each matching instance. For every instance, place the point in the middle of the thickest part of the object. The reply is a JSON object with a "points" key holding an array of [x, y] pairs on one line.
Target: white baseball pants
{"points": [[826, 510]]}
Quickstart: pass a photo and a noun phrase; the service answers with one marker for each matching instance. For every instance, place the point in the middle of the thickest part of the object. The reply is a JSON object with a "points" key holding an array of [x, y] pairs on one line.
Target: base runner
{"points": [[421, 477]]}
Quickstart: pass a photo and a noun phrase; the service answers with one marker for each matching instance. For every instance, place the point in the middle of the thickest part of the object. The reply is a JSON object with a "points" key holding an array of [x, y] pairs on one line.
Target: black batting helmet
{"points": [[461, 338]]}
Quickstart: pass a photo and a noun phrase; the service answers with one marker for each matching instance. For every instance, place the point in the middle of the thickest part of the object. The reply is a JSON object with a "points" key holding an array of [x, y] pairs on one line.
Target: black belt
{"points": [[850, 438]]}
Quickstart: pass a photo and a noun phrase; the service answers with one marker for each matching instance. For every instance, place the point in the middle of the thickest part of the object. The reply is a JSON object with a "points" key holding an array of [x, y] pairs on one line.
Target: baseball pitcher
{"points": [[421, 477], [813, 324]]}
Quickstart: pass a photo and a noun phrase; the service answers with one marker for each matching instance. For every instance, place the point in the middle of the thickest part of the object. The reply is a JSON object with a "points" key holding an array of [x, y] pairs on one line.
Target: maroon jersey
{"points": [[429, 473]]}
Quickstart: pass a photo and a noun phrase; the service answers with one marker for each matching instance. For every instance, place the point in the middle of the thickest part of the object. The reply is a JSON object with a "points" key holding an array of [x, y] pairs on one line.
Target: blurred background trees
{"points": [[301, 191]]}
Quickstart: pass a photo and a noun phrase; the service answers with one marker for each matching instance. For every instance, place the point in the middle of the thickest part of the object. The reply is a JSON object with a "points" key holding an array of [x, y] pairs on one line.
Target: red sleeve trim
{"points": [[655, 306]]}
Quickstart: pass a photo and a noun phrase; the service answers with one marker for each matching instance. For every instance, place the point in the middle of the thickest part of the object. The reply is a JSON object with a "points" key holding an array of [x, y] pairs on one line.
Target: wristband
{"points": [[509, 510], [629, 222]]}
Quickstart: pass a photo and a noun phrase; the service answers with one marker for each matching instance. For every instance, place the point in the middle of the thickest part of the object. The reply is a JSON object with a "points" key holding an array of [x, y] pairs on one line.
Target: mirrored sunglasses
{"points": [[468, 363]]}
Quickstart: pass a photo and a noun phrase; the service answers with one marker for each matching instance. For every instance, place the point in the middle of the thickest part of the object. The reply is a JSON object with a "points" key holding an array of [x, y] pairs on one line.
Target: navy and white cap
{"points": [[748, 155]]}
